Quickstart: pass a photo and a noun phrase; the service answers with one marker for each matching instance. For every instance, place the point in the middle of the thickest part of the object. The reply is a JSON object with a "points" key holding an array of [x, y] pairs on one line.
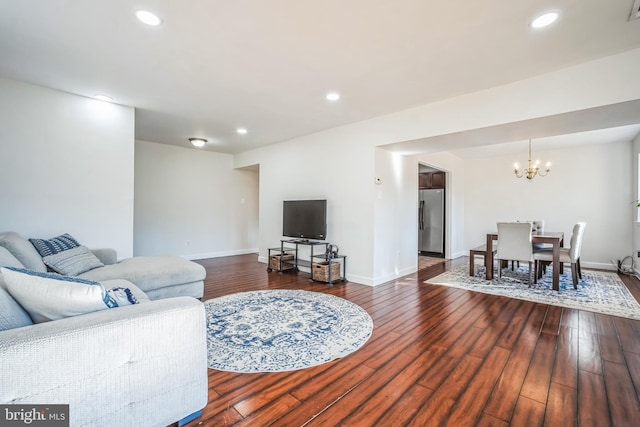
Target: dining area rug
{"points": [[282, 330], [598, 291]]}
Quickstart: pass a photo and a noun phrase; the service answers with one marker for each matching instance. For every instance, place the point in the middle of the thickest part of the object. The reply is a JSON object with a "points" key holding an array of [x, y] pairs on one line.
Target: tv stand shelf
{"points": [[290, 247]]}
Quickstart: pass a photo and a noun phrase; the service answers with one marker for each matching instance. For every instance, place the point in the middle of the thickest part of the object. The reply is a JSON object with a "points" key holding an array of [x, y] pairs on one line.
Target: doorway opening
{"points": [[431, 215]]}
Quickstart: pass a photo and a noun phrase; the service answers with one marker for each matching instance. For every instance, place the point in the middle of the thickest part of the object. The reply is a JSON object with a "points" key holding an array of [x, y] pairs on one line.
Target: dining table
{"points": [[555, 238]]}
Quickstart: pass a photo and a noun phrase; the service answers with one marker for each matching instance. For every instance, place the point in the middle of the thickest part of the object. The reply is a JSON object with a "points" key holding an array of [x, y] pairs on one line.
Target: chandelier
{"points": [[532, 169]]}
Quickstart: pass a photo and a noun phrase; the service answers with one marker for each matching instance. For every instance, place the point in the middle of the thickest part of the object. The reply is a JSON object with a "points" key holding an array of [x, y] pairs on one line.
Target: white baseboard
{"points": [[206, 255], [599, 266]]}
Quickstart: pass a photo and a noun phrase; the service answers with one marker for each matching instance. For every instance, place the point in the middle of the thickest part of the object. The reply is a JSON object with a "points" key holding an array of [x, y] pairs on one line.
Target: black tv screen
{"points": [[304, 219]]}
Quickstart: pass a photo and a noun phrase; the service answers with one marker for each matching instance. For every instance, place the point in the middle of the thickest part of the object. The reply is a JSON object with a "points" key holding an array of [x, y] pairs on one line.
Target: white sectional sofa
{"points": [[134, 365]]}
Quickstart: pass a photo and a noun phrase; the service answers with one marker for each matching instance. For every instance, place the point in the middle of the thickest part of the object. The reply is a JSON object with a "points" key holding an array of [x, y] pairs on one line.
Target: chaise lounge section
{"points": [[157, 276]]}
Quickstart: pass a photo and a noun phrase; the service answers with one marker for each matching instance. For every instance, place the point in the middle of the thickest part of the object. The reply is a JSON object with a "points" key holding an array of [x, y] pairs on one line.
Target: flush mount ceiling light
{"points": [[242, 131], [148, 18], [198, 142], [333, 96], [103, 98], [545, 19]]}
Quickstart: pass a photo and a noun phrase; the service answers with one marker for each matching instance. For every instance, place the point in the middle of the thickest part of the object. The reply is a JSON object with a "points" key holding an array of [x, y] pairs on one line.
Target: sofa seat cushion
{"points": [[150, 273]]}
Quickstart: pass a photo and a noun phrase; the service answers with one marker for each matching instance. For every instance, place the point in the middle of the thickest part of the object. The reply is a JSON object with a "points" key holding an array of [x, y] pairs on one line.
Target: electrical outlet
{"points": [[638, 254]]}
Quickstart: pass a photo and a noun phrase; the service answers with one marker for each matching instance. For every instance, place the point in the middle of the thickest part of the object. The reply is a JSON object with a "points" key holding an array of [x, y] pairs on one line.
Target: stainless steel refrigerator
{"points": [[431, 221]]}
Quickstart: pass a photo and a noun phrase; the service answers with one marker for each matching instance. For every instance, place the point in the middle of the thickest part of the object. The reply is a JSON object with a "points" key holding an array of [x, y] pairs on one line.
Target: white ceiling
{"points": [[213, 65]]}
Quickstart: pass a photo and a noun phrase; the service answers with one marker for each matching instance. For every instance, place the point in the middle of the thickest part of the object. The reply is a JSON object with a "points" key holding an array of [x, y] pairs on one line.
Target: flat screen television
{"points": [[304, 219]]}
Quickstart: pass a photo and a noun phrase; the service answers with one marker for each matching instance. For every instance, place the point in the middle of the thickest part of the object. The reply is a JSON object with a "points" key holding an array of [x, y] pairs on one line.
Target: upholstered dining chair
{"points": [[567, 255], [514, 244], [537, 227]]}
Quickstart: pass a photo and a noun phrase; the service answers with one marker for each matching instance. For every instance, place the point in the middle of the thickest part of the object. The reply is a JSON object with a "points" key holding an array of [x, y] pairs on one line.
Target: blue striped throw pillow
{"points": [[56, 245]]}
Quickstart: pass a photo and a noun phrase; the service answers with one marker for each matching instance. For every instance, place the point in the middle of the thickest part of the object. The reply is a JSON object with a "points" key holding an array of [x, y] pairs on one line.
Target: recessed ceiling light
{"points": [[333, 96], [242, 131], [198, 142], [545, 19], [148, 18], [103, 98]]}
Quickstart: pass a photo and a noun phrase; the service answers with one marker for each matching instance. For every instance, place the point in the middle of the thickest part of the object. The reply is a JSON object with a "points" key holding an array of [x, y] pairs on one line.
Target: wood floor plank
{"points": [[633, 365], [505, 394], [562, 406], [269, 413], [488, 339], [378, 403], [437, 372], [529, 413], [570, 318], [436, 410], [322, 397], [610, 347], [488, 421], [589, 358], [342, 408], [593, 410], [406, 408], [552, 320], [628, 335], [438, 356], [536, 383], [621, 395], [565, 368], [468, 407]]}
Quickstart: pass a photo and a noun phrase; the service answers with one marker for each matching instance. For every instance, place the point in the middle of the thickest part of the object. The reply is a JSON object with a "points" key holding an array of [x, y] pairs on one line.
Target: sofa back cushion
{"points": [[52, 296], [47, 296], [22, 250], [11, 314], [7, 260]]}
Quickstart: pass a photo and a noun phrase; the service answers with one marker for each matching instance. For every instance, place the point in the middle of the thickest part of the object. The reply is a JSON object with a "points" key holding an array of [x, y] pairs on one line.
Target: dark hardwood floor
{"points": [[439, 356]]}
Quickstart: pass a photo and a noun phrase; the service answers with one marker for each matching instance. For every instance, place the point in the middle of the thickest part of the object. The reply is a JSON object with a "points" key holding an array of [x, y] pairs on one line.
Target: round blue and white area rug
{"points": [[282, 330]]}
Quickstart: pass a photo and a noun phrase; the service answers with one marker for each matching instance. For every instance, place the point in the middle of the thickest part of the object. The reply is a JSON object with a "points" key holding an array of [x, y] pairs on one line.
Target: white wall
{"points": [[67, 166], [395, 226], [332, 165], [193, 203], [587, 183], [347, 160]]}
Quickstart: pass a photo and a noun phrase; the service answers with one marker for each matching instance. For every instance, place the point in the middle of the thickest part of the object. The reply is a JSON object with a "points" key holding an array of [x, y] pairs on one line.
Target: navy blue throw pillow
{"points": [[56, 245]]}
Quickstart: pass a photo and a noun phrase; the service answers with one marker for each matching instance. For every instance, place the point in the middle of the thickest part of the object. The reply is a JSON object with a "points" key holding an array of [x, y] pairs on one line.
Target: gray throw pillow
{"points": [[73, 261]]}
